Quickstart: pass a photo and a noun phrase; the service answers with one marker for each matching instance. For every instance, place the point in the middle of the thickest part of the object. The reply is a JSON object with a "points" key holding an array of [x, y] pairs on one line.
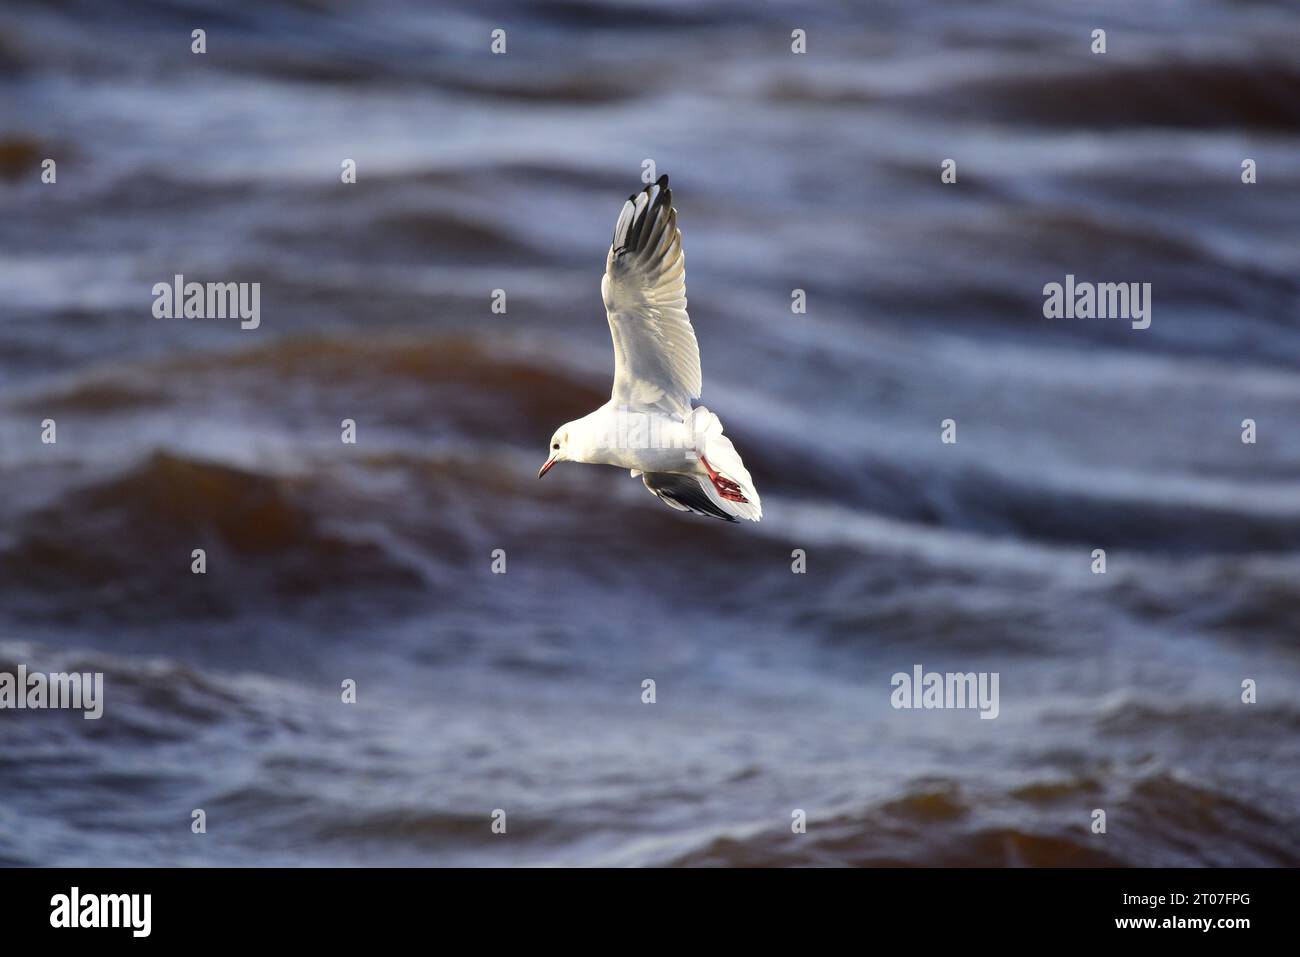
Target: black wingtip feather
{"points": [[685, 491], [637, 231], [640, 230]]}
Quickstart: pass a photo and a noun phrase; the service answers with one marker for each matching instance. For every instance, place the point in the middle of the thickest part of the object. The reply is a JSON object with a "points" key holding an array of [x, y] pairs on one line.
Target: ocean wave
{"points": [[934, 825], [121, 547], [1166, 93], [943, 824]]}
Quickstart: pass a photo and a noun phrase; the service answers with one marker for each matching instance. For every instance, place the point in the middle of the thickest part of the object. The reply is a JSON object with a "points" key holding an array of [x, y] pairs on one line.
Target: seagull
{"points": [[648, 425]]}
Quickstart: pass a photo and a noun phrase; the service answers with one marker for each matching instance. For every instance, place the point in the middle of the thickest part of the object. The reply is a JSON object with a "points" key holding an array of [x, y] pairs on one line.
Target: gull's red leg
{"points": [[725, 486]]}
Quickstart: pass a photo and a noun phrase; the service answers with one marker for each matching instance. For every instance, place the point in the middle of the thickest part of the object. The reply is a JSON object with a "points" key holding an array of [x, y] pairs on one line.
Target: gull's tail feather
{"points": [[725, 460]]}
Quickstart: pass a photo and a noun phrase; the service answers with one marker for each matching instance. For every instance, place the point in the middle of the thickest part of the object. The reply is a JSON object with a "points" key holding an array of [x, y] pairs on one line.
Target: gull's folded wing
{"points": [[684, 493], [656, 358]]}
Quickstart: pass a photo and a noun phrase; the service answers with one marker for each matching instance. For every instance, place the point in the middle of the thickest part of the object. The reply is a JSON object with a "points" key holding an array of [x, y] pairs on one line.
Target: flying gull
{"points": [[648, 425]]}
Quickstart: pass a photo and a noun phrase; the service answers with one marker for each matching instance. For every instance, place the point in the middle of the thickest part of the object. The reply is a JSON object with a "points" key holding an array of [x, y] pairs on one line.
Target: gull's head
{"points": [[558, 450]]}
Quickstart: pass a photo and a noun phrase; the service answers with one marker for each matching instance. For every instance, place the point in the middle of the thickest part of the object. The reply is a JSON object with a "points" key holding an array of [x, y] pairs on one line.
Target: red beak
{"points": [[545, 468]]}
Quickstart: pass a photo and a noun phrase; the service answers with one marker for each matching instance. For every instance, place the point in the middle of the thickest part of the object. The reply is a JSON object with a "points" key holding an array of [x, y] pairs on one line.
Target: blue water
{"points": [[523, 691]]}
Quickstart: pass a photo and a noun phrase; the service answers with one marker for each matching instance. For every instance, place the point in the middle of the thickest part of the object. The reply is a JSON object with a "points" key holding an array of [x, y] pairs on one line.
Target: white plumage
{"points": [[656, 358], [648, 425]]}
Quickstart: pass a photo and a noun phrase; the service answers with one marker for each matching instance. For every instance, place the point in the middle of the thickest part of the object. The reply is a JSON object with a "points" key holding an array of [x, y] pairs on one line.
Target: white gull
{"points": [[648, 425]]}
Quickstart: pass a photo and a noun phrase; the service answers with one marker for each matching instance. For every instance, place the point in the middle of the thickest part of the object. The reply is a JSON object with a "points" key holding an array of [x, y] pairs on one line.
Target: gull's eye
{"points": [[556, 446]]}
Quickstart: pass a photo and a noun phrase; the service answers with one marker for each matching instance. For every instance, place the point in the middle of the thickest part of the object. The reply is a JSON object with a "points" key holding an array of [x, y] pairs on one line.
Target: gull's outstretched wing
{"points": [[656, 358]]}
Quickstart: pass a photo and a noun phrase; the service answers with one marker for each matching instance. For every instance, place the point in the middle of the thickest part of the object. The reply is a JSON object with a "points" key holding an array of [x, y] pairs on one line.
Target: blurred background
{"points": [[522, 691]]}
